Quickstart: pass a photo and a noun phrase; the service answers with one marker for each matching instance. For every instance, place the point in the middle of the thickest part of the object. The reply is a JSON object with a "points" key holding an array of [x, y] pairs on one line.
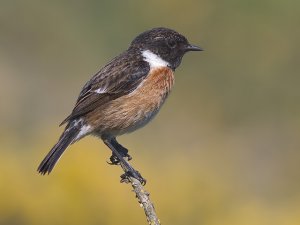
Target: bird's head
{"points": [[163, 45]]}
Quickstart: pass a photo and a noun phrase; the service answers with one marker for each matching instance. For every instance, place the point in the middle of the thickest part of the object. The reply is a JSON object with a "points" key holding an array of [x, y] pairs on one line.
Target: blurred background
{"points": [[223, 150]]}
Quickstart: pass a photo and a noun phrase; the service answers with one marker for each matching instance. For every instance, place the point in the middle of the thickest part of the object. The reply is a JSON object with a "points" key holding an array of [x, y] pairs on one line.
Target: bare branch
{"points": [[143, 198]]}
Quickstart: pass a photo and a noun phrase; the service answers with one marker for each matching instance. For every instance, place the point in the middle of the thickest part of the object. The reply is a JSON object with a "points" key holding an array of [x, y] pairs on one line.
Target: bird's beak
{"points": [[193, 48]]}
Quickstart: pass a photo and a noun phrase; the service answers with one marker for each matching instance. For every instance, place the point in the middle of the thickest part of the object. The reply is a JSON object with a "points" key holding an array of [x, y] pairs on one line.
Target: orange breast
{"points": [[133, 111]]}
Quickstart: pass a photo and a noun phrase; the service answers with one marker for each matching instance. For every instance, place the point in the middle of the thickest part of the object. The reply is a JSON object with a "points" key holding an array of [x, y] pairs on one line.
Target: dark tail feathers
{"points": [[53, 156]]}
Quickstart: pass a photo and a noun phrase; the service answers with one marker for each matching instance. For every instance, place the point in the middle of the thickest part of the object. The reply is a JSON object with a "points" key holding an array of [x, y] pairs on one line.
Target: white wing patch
{"points": [[100, 90], [153, 59]]}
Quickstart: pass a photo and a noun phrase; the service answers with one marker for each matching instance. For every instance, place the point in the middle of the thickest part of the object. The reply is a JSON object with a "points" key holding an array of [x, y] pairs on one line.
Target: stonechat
{"points": [[124, 95]]}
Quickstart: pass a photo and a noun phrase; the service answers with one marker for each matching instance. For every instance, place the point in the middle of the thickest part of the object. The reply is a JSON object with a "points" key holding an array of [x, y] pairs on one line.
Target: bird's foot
{"points": [[115, 161], [132, 173]]}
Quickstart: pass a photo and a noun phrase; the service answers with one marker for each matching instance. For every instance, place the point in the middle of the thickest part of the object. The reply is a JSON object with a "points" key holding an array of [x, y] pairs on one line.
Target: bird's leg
{"points": [[122, 150], [129, 170]]}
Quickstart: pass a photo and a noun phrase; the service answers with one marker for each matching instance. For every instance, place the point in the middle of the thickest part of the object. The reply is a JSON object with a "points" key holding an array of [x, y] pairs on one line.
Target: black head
{"points": [[168, 44]]}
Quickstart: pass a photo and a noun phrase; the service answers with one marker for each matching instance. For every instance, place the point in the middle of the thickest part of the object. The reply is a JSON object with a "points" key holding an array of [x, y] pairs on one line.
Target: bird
{"points": [[124, 96]]}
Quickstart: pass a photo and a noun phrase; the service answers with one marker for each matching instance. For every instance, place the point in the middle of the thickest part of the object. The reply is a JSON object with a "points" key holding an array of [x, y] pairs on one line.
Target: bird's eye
{"points": [[171, 43]]}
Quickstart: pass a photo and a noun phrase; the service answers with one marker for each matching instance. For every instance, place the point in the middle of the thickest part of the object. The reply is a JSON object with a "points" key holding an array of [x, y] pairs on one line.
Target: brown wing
{"points": [[120, 77]]}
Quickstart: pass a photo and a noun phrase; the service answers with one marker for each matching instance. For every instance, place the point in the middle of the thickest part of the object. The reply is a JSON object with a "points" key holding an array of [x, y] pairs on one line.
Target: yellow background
{"points": [[223, 150]]}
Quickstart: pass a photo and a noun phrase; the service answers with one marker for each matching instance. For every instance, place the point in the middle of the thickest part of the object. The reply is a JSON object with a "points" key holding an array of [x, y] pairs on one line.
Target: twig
{"points": [[143, 198]]}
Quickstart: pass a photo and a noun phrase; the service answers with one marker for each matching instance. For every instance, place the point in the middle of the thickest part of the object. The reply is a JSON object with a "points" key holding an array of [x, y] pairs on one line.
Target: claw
{"points": [[112, 163], [124, 178], [132, 173], [126, 155], [113, 160]]}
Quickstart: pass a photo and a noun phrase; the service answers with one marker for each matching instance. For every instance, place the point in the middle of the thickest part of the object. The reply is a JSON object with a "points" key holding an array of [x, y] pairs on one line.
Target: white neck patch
{"points": [[153, 59]]}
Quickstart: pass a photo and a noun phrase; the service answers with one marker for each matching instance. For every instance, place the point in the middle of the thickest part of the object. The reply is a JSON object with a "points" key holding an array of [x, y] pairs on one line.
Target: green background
{"points": [[223, 150]]}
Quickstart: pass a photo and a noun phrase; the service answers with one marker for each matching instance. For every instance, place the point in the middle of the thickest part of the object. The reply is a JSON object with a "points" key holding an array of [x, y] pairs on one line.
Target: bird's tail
{"points": [[68, 136]]}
